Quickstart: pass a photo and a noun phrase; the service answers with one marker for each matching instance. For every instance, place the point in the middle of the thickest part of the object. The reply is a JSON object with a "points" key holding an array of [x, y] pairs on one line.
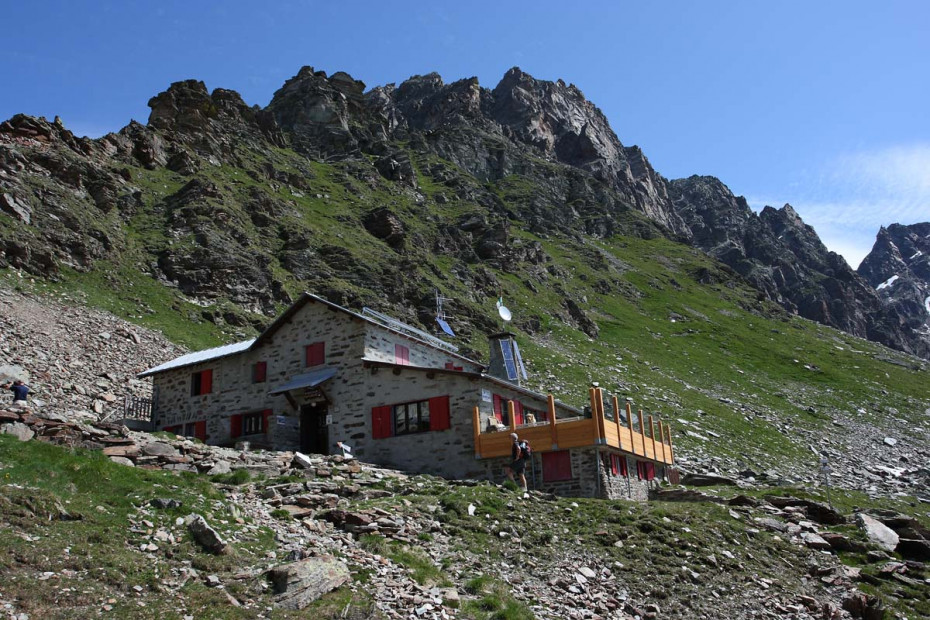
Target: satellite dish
{"points": [[504, 312]]}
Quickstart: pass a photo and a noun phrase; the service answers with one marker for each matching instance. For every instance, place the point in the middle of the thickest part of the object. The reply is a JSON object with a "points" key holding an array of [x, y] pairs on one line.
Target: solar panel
{"points": [[509, 364], [445, 327], [519, 358]]}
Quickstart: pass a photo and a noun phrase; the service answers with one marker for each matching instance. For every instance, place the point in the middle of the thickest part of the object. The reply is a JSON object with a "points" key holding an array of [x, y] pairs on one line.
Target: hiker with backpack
{"points": [[520, 453]]}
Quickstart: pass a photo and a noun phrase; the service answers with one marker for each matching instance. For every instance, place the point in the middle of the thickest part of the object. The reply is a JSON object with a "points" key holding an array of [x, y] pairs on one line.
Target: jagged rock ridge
{"points": [[784, 258], [70, 198]]}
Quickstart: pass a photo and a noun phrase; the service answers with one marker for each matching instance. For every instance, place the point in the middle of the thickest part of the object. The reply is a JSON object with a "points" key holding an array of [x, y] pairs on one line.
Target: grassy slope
{"points": [[672, 554], [677, 347]]}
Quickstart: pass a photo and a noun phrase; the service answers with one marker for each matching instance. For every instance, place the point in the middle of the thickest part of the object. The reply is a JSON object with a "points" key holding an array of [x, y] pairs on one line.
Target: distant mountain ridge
{"points": [[528, 153]]}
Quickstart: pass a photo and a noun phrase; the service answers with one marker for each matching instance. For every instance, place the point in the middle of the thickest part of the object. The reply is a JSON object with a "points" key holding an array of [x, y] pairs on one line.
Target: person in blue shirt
{"points": [[20, 392]]}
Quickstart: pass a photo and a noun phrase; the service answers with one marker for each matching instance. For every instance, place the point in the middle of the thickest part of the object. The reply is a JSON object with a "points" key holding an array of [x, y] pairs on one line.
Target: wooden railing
{"points": [[598, 430]]}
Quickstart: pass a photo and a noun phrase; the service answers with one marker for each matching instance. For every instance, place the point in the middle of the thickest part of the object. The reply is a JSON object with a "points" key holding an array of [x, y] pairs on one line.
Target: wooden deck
{"points": [[643, 439]]}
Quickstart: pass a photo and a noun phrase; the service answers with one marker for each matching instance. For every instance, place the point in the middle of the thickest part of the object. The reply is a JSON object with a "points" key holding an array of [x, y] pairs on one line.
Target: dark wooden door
{"points": [[314, 433]]}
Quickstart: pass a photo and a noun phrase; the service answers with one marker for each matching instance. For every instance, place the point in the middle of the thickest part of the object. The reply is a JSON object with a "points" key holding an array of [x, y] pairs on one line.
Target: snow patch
{"points": [[886, 283], [927, 304], [918, 253], [201, 356]]}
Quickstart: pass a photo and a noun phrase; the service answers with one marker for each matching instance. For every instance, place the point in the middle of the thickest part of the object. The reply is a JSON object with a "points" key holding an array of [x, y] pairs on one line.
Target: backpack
{"points": [[525, 450]]}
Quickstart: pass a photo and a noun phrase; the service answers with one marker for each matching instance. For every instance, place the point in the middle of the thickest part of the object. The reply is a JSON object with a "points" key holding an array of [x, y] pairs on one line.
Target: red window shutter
{"points": [[557, 466], [622, 462], [316, 353], [497, 408], [459, 368], [518, 411], [614, 464], [439, 413], [200, 430], [265, 415], [450, 366], [381, 422], [401, 354], [235, 426], [176, 428], [260, 372], [206, 381], [650, 470]]}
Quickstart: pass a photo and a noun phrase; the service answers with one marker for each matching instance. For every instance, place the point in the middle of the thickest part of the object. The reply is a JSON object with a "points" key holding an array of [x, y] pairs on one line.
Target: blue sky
{"points": [[824, 105]]}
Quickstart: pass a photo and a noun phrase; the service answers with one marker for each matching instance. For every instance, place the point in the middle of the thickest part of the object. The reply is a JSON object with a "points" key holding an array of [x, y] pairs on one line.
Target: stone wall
{"points": [[233, 390], [449, 453]]}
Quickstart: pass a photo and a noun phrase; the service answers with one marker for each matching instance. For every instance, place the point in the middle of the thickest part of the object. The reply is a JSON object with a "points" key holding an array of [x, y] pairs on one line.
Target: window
{"points": [[197, 430], [409, 418], [401, 354], [502, 410], [202, 382], [645, 470], [452, 366], [557, 466], [260, 372], [618, 465], [316, 353], [251, 423]]}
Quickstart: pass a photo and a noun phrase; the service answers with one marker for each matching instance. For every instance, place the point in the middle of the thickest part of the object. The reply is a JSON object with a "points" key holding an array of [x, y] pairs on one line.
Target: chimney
{"points": [[505, 361]]}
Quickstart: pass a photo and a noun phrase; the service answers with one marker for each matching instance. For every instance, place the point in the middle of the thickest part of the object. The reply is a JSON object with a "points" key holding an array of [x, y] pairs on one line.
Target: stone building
{"points": [[321, 374]]}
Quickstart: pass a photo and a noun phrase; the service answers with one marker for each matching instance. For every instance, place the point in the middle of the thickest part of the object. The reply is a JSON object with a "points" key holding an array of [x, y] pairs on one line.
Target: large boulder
{"points": [[298, 584], [879, 534]]}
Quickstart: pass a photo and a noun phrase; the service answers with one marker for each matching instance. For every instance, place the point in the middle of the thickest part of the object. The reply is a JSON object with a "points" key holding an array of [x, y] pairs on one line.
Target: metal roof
{"points": [[306, 380]]}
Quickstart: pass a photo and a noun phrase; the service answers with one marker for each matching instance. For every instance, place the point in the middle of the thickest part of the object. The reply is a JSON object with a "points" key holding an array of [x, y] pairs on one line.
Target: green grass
{"points": [[79, 516]]}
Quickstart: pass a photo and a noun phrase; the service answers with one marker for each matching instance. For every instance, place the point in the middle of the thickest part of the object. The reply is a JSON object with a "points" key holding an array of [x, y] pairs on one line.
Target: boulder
{"points": [[815, 541], [914, 549], [206, 536], [706, 480], [160, 448], [298, 584], [302, 461], [879, 534], [18, 430]]}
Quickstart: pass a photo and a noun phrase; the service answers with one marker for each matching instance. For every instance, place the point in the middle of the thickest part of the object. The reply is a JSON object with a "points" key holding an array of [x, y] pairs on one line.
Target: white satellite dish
{"points": [[504, 312]]}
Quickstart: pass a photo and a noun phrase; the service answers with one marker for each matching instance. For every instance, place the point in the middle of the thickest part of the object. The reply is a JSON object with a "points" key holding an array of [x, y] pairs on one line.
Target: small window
{"points": [[316, 354], [260, 372], [202, 382], [411, 418], [252, 423], [557, 466], [401, 354], [618, 465]]}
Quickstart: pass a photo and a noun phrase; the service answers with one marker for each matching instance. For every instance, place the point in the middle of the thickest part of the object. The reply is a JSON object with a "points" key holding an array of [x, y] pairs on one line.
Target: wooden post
{"points": [[616, 404], [513, 416], [642, 430], [591, 400], [652, 435], [476, 421], [629, 423], [671, 450], [553, 432], [662, 441], [602, 418]]}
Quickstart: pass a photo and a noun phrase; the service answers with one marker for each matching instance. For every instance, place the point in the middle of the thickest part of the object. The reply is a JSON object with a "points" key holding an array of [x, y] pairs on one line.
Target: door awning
{"points": [[307, 380]]}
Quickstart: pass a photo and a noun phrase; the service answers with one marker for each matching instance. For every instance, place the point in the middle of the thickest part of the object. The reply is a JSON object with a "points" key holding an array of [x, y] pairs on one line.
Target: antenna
{"points": [[441, 315], [386, 321]]}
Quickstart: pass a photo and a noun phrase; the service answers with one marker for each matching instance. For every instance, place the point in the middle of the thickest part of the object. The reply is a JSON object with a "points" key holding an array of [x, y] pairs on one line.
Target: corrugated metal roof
{"points": [[306, 380], [200, 356]]}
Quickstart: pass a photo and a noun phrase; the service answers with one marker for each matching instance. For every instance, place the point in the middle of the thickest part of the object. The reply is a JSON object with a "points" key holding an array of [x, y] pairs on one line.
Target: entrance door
{"points": [[314, 434]]}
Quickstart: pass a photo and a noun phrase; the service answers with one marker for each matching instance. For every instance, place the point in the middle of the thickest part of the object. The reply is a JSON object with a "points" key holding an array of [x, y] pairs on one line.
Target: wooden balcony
{"points": [[642, 440]]}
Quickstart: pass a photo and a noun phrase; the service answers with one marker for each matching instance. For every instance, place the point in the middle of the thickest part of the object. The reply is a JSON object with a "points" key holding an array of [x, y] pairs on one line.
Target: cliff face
{"points": [[784, 258], [898, 267], [228, 202]]}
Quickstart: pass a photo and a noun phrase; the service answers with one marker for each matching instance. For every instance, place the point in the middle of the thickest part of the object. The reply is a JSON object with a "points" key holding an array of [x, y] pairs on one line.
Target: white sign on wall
{"points": [[486, 396]]}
